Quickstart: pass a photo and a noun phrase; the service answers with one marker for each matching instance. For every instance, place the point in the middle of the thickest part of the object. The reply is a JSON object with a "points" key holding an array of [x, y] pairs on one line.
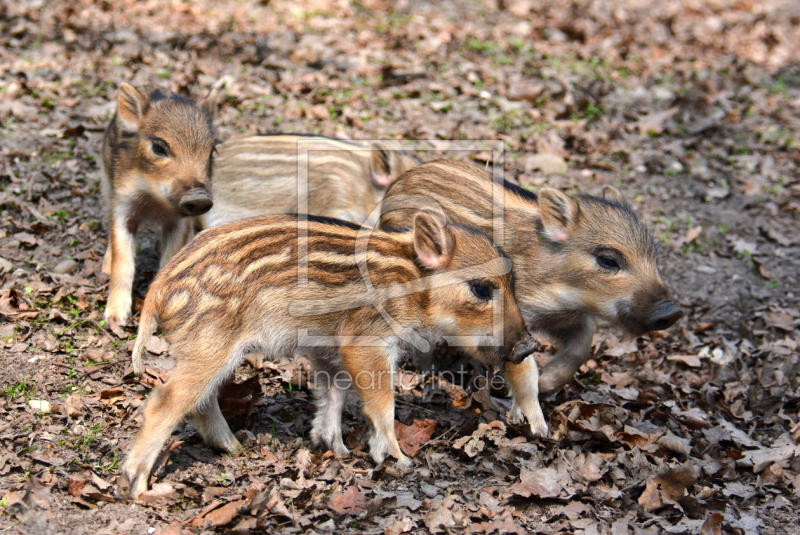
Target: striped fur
{"points": [[576, 259], [354, 298], [260, 175], [157, 159]]}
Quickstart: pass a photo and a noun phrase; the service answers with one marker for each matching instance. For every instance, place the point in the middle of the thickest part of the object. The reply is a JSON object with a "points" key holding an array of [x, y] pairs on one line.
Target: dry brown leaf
{"points": [[160, 491], [156, 345], [400, 526], [541, 483], [653, 123], [472, 445], [75, 485], [413, 437], [174, 528], [223, 515], [505, 524], [689, 360], [26, 238], [622, 348], [73, 406], [712, 524], [348, 502], [667, 487], [781, 320], [441, 519], [693, 233]]}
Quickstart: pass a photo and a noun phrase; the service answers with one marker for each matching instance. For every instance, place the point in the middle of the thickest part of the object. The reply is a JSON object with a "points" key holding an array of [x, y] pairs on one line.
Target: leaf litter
{"points": [[691, 109]]}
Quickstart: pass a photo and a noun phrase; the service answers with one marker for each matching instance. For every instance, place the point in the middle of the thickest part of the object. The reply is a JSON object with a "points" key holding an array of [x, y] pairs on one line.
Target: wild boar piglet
{"points": [[352, 297], [267, 174], [157, 159], [577, 259]]}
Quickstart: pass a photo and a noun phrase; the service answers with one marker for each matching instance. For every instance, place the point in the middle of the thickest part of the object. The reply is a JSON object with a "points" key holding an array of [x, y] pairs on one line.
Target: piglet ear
{"points": [[610, 193], [381, 166], [130, 107], [432, 243], [209, 104], [558, 213]]}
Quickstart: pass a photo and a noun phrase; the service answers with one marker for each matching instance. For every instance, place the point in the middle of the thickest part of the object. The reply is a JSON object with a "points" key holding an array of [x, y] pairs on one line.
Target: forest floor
{"points": [[690, 108]]}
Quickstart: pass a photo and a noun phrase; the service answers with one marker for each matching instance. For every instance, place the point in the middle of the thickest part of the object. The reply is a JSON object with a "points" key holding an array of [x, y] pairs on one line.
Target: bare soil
{"points": [[691, 109]]}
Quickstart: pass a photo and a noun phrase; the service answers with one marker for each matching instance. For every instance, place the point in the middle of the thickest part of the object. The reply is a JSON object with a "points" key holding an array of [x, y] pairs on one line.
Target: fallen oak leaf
{"points": [[222, 515], [75, 485], [156, 345], [667, 487], [400, 526], [348, 502], [475, 443], [413, 437], [693, 234], [73, 406], [712, 524], [690, 360], [504, 524], [174, 528], [160, 491], [760, 459], [14, 307], [622, 348], [653, 123], [541, 483], [26, 238], [782, 320], [762, 269]]}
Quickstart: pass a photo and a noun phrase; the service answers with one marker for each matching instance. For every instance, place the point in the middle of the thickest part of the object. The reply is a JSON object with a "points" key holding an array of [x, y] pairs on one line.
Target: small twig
{"points": [[356, 470], [414, 405], [104, 366]]}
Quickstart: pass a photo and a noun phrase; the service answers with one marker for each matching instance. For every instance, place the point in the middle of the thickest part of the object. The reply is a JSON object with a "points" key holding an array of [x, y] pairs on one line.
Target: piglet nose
{"points": [[666, 314], [196, 202], [524, 347]]}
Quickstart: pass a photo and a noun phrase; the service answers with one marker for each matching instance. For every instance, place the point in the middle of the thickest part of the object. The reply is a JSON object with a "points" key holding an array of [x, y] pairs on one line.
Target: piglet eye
{"points": [[606, 262], [481, 290], [158, 149]]}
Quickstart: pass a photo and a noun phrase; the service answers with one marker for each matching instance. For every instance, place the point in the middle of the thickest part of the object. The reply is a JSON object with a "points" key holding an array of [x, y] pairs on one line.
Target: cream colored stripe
{"points": [[270, 260]]}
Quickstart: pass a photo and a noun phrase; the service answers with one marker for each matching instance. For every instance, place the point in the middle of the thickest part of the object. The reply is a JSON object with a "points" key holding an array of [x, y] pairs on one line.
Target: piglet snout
{"points": [[526, 345]]}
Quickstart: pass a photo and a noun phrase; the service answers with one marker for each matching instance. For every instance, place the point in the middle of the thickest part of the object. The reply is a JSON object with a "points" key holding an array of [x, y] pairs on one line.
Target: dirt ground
{"points": [[690, 108]]}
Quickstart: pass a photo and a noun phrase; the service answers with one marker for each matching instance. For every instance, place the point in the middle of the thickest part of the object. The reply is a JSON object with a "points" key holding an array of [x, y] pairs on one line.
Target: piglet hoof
{"points": [[516, 417], [228, 444], [115, 321], [136, 484], [404, 462], [340, 450], [526, 346], [540, 430]]}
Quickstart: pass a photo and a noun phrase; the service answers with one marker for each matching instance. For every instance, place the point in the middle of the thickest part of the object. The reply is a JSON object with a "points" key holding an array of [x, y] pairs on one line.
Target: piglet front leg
{"points": [[371, 371]]}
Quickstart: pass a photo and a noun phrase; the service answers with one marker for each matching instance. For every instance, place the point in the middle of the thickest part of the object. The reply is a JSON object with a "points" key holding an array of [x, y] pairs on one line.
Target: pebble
{"points": [[547, 163], [708, 270], [65, 266], [40, 405]]}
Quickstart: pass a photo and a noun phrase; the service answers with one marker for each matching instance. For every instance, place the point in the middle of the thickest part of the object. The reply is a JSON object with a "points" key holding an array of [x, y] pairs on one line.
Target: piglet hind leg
{"points": [[330, 397], [215, 430], [575, 345], [165, 409], [190, 387], [372, 373], [523, 378]]}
